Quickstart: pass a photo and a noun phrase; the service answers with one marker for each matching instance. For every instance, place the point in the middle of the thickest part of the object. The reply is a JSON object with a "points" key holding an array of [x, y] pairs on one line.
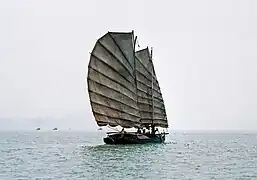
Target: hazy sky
{"points": [[205, 56]]}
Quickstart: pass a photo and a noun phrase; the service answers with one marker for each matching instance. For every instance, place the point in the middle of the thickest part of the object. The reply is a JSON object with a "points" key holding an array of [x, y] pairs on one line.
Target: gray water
{"points": [[74, 155]]}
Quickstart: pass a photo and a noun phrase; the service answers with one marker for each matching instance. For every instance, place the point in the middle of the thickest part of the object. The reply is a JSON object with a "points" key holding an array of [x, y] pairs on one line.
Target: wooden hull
{"points": [[134, 138]]}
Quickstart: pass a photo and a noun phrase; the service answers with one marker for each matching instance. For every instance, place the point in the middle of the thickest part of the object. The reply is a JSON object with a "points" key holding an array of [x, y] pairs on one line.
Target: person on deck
{"points": [[122, 131], [139, 131], [156, 130], [153, 130]]}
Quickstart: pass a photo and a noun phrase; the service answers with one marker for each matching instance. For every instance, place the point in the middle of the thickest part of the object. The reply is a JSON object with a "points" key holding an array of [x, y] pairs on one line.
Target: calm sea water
{"points": [[74, 155]]}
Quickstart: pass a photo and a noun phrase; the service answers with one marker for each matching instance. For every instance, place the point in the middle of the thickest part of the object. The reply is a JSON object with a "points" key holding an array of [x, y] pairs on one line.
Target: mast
{"points": [[151, 56], [135, 73]]}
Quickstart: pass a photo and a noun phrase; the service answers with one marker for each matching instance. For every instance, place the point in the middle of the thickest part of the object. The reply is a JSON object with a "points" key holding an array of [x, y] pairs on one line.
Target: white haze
{"points": [[205, 56]]}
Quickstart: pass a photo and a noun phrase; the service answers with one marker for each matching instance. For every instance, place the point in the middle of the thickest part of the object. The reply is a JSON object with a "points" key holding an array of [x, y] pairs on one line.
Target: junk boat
{"points": [[124, 91]]}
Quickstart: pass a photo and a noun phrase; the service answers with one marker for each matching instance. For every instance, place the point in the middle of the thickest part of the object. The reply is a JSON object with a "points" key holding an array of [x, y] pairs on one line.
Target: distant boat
{"points": [[55, 129], [38, 129], [124, 90], [100, 129]]}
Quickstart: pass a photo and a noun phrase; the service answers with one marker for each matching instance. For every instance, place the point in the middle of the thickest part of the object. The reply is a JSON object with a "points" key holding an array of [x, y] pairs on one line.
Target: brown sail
{"points": [[150, 100], [111, 81]]}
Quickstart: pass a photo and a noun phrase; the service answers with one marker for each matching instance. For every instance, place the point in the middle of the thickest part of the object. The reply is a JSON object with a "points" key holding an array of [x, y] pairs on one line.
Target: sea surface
{"points": [[79, 155]]}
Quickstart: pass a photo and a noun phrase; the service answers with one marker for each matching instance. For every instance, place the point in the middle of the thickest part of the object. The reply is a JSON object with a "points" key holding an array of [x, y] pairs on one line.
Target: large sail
{"points": [[111, 81], [150, 100]]}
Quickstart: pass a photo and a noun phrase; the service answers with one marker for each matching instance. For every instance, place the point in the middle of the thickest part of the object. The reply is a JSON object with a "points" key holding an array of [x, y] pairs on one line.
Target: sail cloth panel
{"points": [[111, 81], [150, 101]]}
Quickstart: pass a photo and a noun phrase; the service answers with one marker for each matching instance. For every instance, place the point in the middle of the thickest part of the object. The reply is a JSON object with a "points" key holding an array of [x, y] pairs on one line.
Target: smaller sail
{"points": [[150, 100]]}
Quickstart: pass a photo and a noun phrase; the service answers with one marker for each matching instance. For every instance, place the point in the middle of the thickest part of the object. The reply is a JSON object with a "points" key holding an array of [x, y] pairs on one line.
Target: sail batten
{"points": [[104, 120], [112, 84], [124, 42], [142, 78], [146, 71], [105, 90], [145, 94], [104, 98], [113, 47], [99, 62], [157, 122], [113, 110], [145, 86], [118, 60], [144, 101]]}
